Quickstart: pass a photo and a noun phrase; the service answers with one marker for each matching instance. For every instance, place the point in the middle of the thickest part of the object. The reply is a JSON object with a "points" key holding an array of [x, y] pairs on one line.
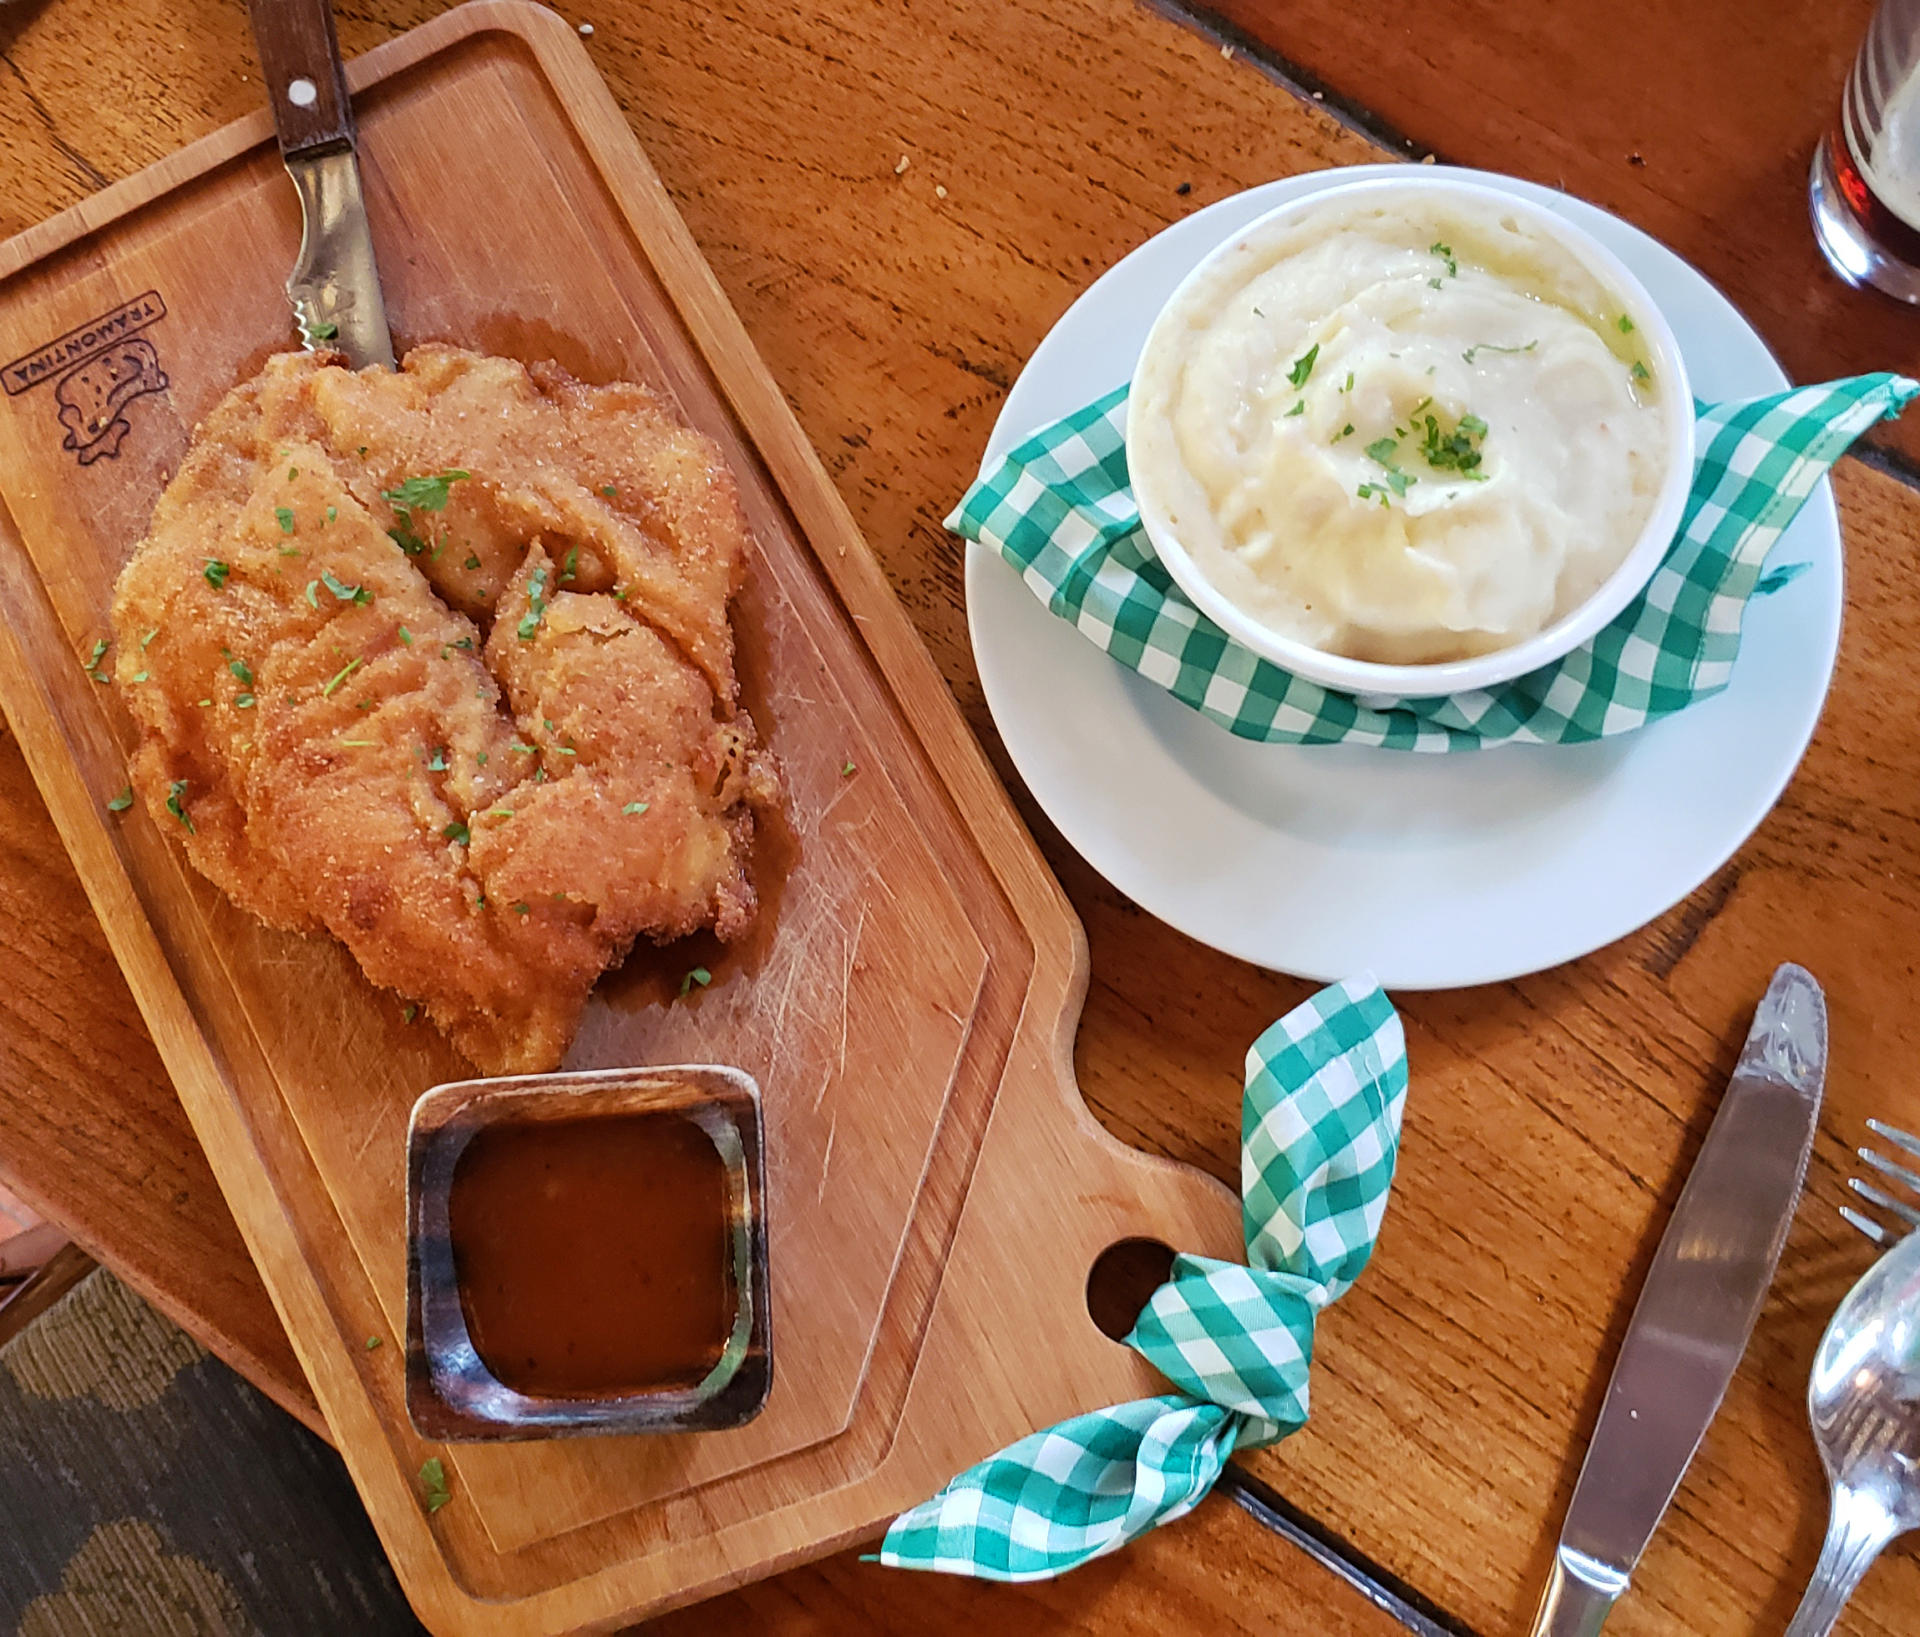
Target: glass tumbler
{"points": [[1865, 188]]}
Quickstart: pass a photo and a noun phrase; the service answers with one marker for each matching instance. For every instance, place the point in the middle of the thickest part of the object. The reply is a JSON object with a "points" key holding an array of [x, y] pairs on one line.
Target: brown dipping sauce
{"points": [[595, 1255]]}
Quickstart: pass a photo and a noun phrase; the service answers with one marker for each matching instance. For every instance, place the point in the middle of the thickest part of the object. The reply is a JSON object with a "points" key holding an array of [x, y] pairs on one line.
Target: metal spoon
{"points": [[1864, 1399]]}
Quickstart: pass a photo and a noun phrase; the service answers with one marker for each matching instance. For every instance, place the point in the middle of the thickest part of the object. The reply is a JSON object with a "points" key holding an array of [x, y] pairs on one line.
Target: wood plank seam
{"points": [[1379, 1585], [1306, 85]]}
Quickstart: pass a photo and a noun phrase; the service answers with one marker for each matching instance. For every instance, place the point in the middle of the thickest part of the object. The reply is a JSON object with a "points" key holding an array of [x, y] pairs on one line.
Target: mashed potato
{"points": [[1405, 427]]}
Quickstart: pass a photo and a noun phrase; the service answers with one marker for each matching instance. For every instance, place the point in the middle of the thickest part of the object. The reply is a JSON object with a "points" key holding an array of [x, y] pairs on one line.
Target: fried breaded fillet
{"points": [[439, 662]]}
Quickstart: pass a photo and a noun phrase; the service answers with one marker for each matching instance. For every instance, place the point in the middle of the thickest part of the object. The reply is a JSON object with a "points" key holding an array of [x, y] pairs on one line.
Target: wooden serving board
{"points": [[937, 1190]]}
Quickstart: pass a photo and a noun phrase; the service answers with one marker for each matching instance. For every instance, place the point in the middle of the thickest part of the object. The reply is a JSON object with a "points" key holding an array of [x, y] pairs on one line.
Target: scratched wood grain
{"points": [[1551, 1119]]}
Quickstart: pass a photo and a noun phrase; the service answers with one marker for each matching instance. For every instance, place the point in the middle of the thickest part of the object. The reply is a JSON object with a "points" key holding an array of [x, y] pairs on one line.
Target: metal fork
{"points": [[1905, 1175], [1864, 1396]]}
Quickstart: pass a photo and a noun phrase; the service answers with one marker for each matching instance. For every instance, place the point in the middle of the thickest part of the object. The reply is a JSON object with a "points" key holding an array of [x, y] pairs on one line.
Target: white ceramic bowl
{"points": [[1365, 677]]}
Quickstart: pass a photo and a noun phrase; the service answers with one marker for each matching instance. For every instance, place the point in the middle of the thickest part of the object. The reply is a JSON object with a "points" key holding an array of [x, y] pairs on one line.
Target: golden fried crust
{"points": [[487, 742]]}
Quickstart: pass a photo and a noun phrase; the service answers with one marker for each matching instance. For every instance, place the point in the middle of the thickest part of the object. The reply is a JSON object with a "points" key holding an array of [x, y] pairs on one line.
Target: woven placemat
{"points": [[147, 1491]]}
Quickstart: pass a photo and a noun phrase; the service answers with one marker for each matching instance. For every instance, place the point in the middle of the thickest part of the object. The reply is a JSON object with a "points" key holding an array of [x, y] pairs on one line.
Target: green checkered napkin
{"points": [[1319, 1130], [1059, 509]]}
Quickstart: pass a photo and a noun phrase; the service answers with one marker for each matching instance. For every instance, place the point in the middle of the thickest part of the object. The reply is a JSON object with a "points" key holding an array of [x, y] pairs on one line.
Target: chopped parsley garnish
{"points": [[571, 563], [1344, 432], [324, 332], [423, 494], [1640, 372], [357, 744], [216, 572], [313, 593], [456, 831], [609, 491], [121, 802], [433, 1484], [699, 975], [243, 701], [519, 909], [288, 551], [1299, 408], [176, 804], [406, 637], [284, 516], [1445, 253], [439, 762], [341, 675], [241, 670], [374, 1341], [523, 750], [93, 660], [499, 812], [1383, 452], [1369, 491], [636, 807], [150, 636], [417, 494], [292, 473], [345, 593], [333, 514], [846, 770], [141, 676], [1624, 324], [481, 758], [1455, 451], [1347, 384], [536, 607], [473, 561], [1303, 365], [408, 1013], [1488, 346]]}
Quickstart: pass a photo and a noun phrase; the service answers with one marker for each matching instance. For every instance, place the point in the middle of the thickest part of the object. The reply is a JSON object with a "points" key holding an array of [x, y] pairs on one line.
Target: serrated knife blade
{"points": [[1698, 1306], [335, 283]]}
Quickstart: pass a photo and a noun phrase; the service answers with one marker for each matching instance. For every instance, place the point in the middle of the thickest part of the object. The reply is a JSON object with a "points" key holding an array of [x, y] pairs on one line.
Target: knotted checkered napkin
{"points": [[1319, 1131], [1060, 510]]}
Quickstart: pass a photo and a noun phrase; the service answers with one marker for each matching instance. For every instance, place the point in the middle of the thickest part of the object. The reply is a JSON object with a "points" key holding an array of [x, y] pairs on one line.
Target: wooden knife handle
{"points": [[300, 57]]}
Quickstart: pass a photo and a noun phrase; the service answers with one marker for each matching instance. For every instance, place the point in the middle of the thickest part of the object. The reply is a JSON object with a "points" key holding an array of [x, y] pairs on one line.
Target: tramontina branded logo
{"points": [[99, 369]]}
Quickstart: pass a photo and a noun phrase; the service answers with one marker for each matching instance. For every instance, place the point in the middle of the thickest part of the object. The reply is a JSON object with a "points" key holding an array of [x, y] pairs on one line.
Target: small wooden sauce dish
{"points": [[587, 1253]]}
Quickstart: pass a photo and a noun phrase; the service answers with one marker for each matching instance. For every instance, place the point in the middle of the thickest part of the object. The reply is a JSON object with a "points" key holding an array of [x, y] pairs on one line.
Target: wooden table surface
{"points": [[1551, 1120]]}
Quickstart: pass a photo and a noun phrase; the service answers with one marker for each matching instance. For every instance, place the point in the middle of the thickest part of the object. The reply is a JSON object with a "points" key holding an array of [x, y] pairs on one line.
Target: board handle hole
{"points": [[1124, 1276]]}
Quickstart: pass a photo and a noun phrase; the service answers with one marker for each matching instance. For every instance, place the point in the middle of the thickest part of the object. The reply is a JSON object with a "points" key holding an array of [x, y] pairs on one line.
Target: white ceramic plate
{"points": [[1431, 871]]}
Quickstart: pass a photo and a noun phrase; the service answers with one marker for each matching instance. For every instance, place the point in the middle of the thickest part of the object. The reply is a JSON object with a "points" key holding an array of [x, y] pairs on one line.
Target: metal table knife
{"points": [[1702, 1295], [335, 283]]}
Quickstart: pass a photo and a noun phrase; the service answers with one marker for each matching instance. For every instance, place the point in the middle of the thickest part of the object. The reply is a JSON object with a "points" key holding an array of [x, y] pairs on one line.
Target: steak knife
{"points": [[1697, 1309], [335, 283]]}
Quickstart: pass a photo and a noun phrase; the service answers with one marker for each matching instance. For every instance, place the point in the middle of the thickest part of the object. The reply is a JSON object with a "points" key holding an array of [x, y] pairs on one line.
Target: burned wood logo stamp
{"points": [[97, 370]]}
